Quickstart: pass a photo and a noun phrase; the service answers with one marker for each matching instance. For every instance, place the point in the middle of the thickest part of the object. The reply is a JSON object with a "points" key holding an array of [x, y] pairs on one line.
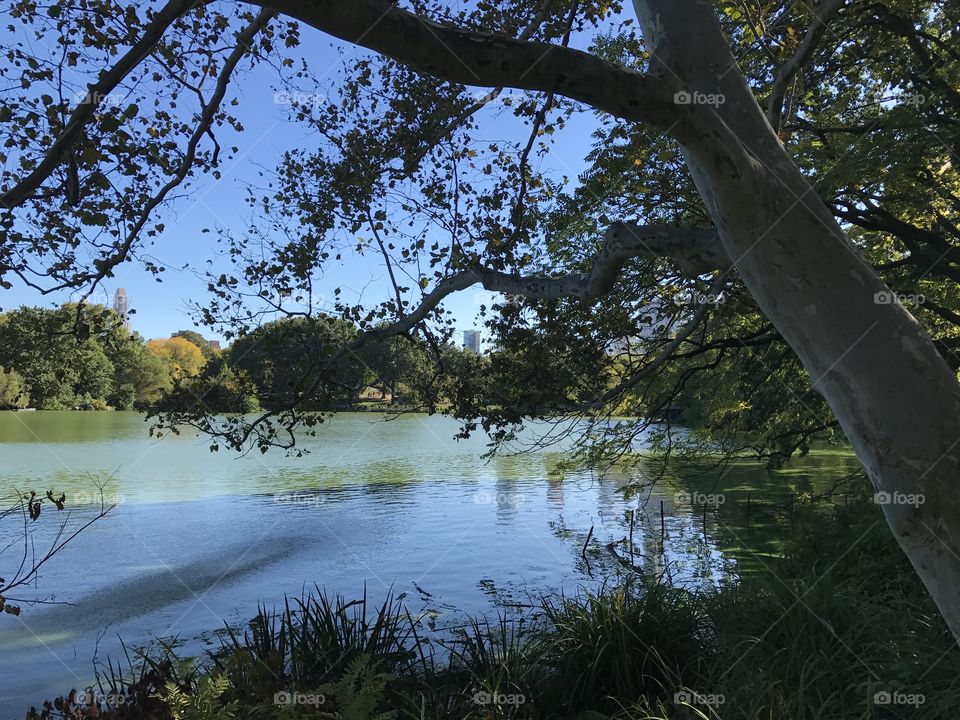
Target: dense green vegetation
{"points": [[815, 636], [66, 358]]}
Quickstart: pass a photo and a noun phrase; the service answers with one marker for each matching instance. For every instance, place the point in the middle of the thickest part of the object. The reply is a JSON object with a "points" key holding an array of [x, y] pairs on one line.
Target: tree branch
{"points": [[698, 247], [488, 60], [698, 250], [104, 267], [821, 16], [96, 92]]}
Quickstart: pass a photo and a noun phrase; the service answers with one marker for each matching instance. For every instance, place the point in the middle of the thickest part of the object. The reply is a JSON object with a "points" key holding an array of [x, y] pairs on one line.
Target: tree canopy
{"points": [[862, 94]]}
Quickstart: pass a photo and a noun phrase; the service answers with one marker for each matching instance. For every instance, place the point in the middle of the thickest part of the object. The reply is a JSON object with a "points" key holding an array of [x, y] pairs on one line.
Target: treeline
{"points": [[56, 359], [65, 358]]}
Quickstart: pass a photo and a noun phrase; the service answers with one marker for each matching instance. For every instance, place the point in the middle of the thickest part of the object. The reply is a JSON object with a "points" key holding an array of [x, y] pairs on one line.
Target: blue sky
{"points": [[162, 308]]}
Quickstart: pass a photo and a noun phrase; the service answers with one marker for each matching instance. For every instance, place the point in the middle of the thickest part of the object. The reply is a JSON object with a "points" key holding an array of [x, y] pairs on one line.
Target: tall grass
{"points": [[312, 641], [634, 642]]}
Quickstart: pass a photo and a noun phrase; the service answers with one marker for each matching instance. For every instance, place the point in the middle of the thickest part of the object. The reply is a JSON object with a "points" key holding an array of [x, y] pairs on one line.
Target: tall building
{"points": [[471, 341], [121, 306]]}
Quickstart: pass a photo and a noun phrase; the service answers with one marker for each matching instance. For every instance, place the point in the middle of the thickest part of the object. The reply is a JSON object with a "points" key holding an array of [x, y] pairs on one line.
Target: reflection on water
{"points": [[199, 537]]}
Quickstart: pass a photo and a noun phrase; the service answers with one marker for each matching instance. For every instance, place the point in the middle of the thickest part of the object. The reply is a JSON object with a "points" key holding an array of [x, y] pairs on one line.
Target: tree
{"points": [[287, 361], [746, 214], [219, 389], [13, 393], [396, 361], [141, 377], [182, 358], [60, 370], [198, 340]]}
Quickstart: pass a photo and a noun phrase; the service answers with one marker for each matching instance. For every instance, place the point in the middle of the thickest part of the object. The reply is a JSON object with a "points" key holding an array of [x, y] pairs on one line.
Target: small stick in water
{"points": [[663, 529], [587, 542]]}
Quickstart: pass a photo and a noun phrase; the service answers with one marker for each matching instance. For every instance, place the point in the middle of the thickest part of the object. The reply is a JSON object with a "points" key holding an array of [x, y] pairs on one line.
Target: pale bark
{"points": [[894, 396], [484, 59], [696, 250]]}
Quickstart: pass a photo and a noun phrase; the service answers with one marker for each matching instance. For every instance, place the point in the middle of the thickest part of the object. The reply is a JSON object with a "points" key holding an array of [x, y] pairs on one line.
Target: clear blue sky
{"points": [[162, 308]]}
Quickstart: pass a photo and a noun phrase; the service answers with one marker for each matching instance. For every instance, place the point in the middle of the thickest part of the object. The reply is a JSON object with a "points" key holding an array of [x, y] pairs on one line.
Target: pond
{"points": [[199, 538]]}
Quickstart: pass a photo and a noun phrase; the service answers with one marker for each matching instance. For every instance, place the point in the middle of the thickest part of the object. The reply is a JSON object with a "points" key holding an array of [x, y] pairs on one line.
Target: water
{"points": [[199, 538]]}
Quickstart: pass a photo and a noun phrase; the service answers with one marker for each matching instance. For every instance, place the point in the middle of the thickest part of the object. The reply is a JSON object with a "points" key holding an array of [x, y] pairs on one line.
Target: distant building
{"points": [[214, 344], [471, 341], [121, 306]]}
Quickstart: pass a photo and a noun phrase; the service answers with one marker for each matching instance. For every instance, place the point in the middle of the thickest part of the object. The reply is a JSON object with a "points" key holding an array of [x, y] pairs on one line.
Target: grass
{"points": [[838, 629]]}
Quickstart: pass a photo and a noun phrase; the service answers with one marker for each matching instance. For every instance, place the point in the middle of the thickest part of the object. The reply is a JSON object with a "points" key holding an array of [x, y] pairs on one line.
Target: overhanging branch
{"points": [[698, 247], [96, 93], [488, 60], [697, 250]]}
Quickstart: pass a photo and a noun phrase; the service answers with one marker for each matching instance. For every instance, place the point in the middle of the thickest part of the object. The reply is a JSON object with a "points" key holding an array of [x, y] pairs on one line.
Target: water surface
{"points": [[199, 538]]}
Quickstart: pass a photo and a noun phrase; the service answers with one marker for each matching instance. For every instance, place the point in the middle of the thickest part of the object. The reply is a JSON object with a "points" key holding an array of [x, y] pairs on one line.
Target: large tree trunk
{"points": [[894, 396]]}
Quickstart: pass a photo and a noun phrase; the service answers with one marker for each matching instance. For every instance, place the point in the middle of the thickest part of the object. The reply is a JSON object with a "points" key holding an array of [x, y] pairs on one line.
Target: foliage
{"points": [[218, 388], [13, 392], [60, 369], [360, 692], [57, 369], [628, 642], [198, 340], [398, 363], [203, 703], [182, 357], [49, 366], [285, 359]]}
